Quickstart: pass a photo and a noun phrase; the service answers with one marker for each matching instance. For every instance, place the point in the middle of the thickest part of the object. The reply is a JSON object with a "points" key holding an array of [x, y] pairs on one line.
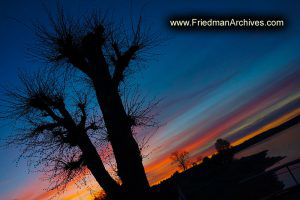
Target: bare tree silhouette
{"points": [[62, 135], [181, 159], [57, 135]]}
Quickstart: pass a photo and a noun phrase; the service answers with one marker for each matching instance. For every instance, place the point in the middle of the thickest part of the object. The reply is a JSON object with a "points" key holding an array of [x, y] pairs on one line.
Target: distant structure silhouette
{"points": [[222, 145]]}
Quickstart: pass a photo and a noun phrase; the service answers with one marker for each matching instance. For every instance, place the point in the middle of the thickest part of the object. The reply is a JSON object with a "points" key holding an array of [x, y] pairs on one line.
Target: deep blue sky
{"points": [[209, 80]]}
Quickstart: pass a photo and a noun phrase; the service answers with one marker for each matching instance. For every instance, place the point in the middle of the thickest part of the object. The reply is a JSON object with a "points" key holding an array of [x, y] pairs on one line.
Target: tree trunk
{"points": [[95, 165], [125, 148]]}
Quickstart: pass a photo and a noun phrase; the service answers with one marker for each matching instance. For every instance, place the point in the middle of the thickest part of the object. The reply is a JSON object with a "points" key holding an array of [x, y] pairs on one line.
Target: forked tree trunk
{"points": [[95, 165], [125, 148]]}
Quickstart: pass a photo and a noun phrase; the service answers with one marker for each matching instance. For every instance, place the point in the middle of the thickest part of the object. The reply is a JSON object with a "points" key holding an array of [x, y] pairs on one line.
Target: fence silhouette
{"points": [[289, 173]]}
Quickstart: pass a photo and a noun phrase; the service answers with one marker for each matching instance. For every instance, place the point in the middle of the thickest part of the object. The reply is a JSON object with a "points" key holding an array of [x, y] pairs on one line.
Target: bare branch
{"points": [[49, 139]]}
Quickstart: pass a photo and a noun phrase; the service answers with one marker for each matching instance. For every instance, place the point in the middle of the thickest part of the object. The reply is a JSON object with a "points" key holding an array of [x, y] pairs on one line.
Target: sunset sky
{"points": [[231, 85]]}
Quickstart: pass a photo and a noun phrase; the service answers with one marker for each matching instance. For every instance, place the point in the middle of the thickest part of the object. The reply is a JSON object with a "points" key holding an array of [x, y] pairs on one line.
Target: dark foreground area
{"points": [[223, 177]]}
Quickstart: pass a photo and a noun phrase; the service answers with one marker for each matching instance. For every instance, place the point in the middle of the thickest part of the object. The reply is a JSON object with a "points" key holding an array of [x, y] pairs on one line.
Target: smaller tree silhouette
{"points": [[181, 159], [222, 145]]}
